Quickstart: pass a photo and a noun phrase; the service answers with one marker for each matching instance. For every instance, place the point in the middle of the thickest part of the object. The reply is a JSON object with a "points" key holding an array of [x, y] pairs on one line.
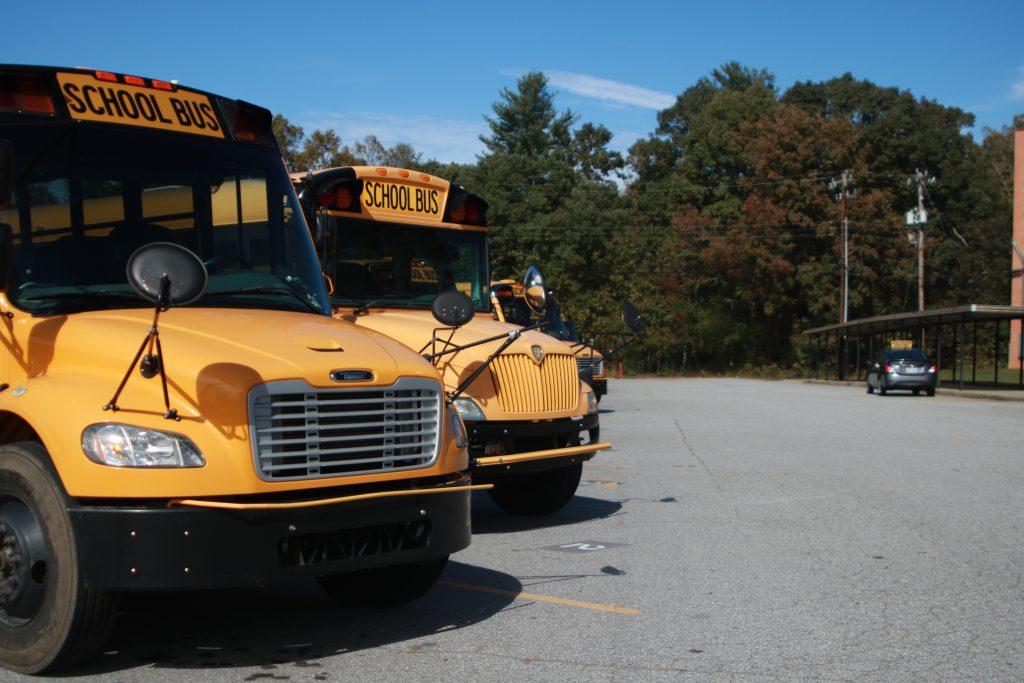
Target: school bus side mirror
{"points": [[632, 317], [534, 290], [6, 173], [452, 308]]}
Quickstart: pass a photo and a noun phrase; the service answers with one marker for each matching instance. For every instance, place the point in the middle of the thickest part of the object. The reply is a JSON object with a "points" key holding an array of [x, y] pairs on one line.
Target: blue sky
{"points": [[427, 72]]}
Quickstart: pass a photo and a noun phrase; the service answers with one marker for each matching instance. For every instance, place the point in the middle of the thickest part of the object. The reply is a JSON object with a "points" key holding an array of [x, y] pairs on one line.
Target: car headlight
{"points": [[458, 430], [591, 402], [120, 445], [468, 409]]}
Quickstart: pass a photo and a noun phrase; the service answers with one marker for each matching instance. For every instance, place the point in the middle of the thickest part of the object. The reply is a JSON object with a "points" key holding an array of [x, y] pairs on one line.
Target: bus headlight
{"points": [[468, 409], [591, 403], [120, 445], [458, 430]]}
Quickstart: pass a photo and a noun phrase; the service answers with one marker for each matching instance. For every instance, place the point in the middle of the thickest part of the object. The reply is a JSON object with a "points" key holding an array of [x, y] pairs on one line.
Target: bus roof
{"points": [[104, 97]]}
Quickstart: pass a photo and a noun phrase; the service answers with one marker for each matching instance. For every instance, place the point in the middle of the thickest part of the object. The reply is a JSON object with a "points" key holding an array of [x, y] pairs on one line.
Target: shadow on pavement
{"points": [[292, 624], [488, 518]]}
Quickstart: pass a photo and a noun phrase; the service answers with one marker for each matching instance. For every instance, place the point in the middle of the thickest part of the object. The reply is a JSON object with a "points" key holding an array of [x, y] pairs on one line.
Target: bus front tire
{"points": [[48, 619], [540, 494], [384, 586]]}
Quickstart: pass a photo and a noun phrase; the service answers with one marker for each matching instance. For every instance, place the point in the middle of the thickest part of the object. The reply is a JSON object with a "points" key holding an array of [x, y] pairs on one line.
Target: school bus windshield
{"points": [[87, 197], [404, 265]]}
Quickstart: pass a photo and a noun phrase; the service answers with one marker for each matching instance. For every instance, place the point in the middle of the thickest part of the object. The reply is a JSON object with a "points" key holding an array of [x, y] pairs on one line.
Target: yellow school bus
{"points": [[391, 240], [508, 299], [178, 407]]}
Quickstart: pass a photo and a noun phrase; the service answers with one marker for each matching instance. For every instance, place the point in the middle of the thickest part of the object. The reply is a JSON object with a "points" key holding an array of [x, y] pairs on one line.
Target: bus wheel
{"points": [[540, 494], [384, 586], [48, 619]]}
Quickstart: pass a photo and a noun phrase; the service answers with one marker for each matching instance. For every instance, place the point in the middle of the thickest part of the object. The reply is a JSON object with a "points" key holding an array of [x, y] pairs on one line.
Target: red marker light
{"points": [[889, 368], [343, 198], [933, 369], [106, 76], [163, 85], [135, 80], [382, 171], [403, 173]]}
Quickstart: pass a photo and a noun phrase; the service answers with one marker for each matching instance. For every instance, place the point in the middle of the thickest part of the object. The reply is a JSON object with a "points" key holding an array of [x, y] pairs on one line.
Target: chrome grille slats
{"points": [[523, 386], [302, 432]]}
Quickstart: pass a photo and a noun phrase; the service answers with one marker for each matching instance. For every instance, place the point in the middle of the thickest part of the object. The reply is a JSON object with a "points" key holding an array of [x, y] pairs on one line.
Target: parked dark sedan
{"points": [[903, 369]]}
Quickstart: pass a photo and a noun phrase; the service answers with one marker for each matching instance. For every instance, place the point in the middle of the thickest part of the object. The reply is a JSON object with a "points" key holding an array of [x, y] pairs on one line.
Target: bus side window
{"points": [[102, 206], [169, 205], [50, 209], [240, 218]]}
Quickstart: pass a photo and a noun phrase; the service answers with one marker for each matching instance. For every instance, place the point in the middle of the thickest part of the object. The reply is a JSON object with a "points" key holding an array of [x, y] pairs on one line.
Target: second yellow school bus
{"points": [[390, 240]]}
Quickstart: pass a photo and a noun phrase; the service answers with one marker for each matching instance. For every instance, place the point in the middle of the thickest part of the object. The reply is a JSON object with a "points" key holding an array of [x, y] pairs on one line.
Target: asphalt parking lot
{"points": [[739, 529]]}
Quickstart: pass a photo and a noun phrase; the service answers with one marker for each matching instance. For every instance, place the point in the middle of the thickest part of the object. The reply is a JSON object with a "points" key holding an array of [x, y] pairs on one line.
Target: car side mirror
{"points": [[6, 173]]}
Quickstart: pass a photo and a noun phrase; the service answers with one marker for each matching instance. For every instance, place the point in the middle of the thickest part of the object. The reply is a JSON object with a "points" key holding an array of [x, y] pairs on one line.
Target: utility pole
{"points": [[842, 189], [918, 218]]}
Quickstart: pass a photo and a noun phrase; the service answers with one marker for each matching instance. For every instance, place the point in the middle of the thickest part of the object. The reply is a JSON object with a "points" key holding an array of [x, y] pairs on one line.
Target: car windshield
{"points": [[403, 265], [87, 197], [905, 354]]}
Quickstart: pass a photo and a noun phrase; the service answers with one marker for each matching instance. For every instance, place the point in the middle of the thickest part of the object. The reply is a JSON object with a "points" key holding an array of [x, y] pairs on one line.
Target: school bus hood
{"points": [[415, 327], [239, 346], [536, 377]]}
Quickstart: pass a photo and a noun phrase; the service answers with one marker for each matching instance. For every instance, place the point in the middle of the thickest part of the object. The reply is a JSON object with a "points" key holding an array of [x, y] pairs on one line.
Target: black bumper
{"points": [[524, 437], [181, 548]]}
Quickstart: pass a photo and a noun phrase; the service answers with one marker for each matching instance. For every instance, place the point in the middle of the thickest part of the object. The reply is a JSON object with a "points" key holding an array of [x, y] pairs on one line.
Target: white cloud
{"points": [[610, 91], [437, 138], [1017, 87]]}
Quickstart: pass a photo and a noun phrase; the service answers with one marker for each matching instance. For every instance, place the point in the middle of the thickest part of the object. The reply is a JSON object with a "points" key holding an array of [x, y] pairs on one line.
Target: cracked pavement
{"points": [[765, 530]]}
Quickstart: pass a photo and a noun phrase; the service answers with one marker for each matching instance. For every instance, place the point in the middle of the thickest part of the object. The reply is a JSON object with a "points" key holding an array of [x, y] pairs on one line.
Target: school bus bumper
{"points": [[530, 446], [166, 545]]}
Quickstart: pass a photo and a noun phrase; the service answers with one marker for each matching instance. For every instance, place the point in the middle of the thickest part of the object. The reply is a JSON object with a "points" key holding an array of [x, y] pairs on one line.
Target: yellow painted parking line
{"points": [[540, 598]]}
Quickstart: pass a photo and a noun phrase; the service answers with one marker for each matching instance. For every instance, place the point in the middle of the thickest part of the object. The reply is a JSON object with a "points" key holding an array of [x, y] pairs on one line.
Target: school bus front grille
{"points": [[523, 386], [302, 432], [588, 365]]}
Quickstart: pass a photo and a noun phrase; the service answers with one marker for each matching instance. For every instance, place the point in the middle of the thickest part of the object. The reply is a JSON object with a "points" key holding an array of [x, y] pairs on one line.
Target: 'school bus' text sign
{"points": [[384, 196], [181, 111]]}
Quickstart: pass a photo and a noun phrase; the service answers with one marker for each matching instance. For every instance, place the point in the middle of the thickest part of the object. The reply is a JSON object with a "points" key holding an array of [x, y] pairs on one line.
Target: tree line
{"points": [[721, 224]]}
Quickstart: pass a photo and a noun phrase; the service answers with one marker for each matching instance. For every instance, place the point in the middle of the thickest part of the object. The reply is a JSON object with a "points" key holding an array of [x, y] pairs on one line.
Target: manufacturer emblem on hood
{"points": [[351, 375], [538, 353]]}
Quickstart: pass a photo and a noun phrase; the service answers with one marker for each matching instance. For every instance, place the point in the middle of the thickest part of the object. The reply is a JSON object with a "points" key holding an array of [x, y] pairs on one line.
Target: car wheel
{"points": [[917, 392], [871, 389], [881, 388], [931, 392]]}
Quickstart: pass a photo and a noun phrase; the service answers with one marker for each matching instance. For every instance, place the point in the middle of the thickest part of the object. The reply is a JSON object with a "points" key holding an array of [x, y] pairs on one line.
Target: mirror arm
{"points": [[512, 336], [455, 348]]}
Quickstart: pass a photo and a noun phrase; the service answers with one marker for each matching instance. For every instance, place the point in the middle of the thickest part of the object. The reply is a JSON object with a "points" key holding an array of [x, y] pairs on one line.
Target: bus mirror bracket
{"points": [[454, 309], [167, 275]]}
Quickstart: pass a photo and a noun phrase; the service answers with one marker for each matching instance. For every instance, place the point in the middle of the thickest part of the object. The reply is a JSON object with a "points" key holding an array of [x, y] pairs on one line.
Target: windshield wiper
{"points": [[283, 289], [99, 294], [365, 307]]}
